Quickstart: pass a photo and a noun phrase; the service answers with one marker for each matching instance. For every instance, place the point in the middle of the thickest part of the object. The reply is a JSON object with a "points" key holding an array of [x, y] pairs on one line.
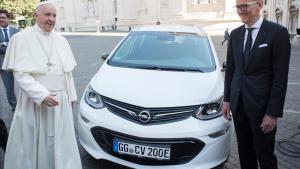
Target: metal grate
{"points": [[146, 116]]}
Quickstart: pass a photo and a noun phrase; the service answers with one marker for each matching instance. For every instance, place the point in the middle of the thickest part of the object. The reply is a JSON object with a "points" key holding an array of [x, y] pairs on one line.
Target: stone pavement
{"points": [[288, 126]]}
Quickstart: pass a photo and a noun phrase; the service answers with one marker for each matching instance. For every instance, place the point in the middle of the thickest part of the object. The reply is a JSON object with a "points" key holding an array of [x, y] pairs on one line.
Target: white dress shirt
{"points": [[8, 33], [256, 27]]}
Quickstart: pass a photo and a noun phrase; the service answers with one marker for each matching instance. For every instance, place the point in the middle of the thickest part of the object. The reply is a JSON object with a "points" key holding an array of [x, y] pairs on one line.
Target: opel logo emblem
{"points": [[144, 116]]}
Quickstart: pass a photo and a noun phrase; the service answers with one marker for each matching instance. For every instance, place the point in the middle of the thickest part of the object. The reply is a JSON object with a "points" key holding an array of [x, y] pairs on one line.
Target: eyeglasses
{"points": [[244, 7]]}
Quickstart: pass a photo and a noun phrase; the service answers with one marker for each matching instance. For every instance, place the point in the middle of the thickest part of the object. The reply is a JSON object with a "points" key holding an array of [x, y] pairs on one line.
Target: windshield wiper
{"points": [[168, 68], [179, 69]]}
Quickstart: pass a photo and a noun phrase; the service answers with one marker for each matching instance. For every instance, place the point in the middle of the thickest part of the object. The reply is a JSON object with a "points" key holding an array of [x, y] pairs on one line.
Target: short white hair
{"points": [[41, 4]]}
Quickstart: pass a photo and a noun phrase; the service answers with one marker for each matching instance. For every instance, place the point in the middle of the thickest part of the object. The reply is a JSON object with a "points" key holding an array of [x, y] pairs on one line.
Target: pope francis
{"points": [[42, 132]]}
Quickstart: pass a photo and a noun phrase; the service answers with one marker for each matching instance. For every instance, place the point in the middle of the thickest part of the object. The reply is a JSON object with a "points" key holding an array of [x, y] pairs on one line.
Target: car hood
{"points": [[157, 88]]}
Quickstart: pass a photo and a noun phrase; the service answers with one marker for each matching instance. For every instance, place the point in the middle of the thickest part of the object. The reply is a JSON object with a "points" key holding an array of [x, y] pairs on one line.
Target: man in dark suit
{"points": [[226, 36], [255, 84], [5, 33]]}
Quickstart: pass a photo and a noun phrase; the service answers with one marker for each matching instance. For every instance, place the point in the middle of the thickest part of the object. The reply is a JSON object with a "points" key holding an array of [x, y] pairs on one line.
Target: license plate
{"points": [[148, 151]]}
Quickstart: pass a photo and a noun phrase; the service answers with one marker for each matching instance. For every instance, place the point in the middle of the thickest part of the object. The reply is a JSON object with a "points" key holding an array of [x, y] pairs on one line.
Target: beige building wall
{"points": [[284, 12], [98, 15], [65, 13]]}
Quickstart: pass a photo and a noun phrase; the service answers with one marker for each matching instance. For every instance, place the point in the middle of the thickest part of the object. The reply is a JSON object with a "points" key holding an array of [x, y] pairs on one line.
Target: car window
{"points": [[165, 50]]}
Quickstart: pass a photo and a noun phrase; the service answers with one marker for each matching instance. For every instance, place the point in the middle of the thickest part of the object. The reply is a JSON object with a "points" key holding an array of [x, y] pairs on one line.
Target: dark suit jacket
{"points": [[12, 31], [262, 81]]}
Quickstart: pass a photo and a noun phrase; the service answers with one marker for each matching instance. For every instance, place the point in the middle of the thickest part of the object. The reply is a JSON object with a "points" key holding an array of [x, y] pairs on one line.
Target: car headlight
{"points": [[93, 98], [210, 110]]}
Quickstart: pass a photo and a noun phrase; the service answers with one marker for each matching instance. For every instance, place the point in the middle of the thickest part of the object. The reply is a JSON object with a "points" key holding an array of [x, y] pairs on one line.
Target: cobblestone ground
{"points": [[86, 56]]}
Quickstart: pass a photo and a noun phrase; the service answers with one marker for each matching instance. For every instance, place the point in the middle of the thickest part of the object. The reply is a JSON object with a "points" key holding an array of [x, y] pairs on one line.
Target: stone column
{"points": [[271, 11]]}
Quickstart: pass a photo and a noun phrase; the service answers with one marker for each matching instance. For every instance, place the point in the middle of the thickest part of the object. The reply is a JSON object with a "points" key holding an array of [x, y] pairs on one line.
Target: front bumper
{"points": [[204, 147]]}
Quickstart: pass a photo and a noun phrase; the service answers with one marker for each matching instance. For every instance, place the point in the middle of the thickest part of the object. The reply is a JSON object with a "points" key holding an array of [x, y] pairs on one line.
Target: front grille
{"points": [[183, 150], [156, 115]]}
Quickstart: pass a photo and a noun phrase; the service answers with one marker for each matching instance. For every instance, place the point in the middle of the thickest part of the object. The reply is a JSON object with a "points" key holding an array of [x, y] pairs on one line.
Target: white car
{"points": [[155, 102]]}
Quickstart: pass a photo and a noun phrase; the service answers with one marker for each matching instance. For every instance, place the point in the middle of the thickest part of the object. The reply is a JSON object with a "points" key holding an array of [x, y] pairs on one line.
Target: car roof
{"points": [[171, 28]]}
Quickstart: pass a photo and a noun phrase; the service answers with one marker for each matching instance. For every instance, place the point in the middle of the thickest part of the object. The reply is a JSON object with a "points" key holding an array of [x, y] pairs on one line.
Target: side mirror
{"points": [[104, 56], [223, 66]]}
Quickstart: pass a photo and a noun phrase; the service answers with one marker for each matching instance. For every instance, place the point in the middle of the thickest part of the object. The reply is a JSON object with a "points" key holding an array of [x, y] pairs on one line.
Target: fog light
{"points": [[84, 118], [219, 133]]}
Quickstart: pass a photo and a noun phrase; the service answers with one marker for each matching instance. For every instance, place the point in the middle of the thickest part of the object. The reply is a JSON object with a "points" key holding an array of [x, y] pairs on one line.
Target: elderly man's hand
{"points": [[50, 101], [268, 123], [226, 110]]}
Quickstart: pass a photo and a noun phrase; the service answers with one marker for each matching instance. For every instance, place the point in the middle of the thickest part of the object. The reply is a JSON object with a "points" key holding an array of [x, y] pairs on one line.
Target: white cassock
{"points": [[42, 137]]}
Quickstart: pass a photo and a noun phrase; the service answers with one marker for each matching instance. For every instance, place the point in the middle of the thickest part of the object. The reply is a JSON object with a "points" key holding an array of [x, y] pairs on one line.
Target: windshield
{"points": [[165, 51]]}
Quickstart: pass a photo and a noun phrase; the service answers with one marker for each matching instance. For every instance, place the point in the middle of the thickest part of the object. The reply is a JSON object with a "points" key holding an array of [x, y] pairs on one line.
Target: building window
{"points": [[205, 2], [90, 8]]}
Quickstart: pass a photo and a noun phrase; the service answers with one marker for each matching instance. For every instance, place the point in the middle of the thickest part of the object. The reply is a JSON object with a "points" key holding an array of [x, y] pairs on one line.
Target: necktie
{"points": [[6, 39], [248, 45]]}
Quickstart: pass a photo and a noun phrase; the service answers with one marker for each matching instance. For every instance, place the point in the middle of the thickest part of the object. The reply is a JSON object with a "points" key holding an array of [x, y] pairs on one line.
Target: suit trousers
{"points": [[8, 80], [253, 144]]}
